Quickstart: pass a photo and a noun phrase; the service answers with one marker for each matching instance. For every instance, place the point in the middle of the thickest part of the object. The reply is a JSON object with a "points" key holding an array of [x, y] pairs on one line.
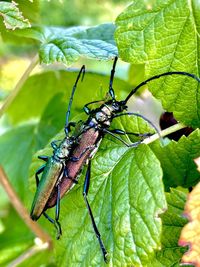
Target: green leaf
{"points": [[44, 87], [164, 35], [52, 119], [67, 45], [10, 36], [173, 221], [12, 16], [34, 6], [136, 74], [177, 160], [16, 149], [126, 196]]}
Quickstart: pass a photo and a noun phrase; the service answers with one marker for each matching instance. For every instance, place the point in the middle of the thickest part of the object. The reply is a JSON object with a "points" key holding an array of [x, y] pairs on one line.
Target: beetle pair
{"points": [[61, 170]]}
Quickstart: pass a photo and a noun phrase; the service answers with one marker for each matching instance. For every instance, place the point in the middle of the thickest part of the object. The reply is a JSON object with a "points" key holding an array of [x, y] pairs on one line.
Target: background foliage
{"points": [[130, 188]]}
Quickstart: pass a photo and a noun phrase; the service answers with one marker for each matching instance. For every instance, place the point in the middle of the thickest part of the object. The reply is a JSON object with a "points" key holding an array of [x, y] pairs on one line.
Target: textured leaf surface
{"points": [[173, 221], [67, 45], [12, 16], [190, 234], [165, 36], [126, 196], [177, 162]]}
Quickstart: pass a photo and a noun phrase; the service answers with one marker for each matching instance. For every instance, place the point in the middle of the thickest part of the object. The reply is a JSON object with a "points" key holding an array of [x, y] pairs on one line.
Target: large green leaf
{"points": [[12, 16], [68, 44], [16, 149], [177, 160], [165, 36], [52, 119], [126, 196], [41, 88], [173, 222]]}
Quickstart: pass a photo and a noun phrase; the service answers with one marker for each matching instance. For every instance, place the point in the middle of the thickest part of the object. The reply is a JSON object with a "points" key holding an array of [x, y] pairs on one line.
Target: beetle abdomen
{"points": [[52, 172]]}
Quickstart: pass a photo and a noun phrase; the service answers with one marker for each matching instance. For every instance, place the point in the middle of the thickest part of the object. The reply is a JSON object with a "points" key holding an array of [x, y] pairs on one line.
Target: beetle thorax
{"points": [[63, 150], [104, 115]]}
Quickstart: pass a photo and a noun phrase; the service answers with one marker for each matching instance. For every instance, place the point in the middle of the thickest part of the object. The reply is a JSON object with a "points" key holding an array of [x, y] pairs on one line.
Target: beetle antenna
{"points": [[111, 90], [82, 71], [143, 117], [157, 77]]}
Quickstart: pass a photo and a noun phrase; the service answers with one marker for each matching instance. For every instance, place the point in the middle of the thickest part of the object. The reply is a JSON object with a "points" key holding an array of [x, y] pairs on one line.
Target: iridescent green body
{"points": [[53, 172]]}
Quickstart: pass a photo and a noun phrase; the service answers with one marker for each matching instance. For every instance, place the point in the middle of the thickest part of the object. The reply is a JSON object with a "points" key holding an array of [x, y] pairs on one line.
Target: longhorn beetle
{"points": [[54, 170], [90, 135]]}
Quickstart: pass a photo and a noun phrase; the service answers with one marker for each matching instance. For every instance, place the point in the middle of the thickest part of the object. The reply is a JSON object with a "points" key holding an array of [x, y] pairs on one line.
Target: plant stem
{"points": [[18, 205], [163, 133], [27, 254], [19, 84]]}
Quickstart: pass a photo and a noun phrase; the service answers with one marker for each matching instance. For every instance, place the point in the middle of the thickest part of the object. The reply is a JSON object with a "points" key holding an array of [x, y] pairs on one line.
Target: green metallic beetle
{"points": [[59, 174], [54, 170]]}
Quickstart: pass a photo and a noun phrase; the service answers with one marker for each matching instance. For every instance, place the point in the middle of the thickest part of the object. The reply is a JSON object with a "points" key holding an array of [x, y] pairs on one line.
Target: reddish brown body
{"points": [[87, 139]]}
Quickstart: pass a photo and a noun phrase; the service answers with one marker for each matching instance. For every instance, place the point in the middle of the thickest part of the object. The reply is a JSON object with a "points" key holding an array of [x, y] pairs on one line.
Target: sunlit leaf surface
{"points": [[165, 36], [12, 16], [67, 45], [177, 160]]}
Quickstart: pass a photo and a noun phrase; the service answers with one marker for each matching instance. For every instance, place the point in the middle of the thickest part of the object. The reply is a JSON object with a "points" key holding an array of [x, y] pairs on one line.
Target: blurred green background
{"points": [[15, 52]]}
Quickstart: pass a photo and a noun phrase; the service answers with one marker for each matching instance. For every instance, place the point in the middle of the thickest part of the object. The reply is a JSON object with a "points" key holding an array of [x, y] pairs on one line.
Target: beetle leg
{"points": [[53, 143], [57, 223], [40, 170], [121, 140], [67, 175], [57, 226], [82, 153], [45, 158], [70, 124], [85, 192], [119, 131], [140, 116], [87, 109]]}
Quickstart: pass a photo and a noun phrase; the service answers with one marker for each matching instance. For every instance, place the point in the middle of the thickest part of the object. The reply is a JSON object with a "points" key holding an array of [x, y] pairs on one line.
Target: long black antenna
{"points": [[82, 70], [141, 116], [157, 77], [111, 91]]}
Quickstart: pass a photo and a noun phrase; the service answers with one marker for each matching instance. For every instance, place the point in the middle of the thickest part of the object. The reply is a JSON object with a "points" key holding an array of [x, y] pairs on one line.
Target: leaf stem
{"points": [[18, 205], [19, 84], [163, 133]]}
